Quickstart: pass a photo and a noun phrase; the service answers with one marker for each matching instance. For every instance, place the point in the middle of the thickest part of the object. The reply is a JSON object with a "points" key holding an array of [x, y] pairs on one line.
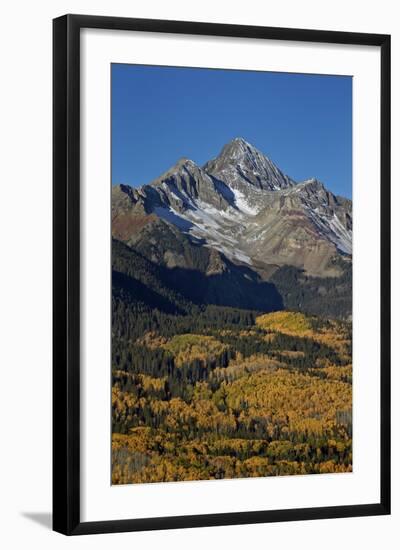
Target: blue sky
{"points": [[160, 114]]}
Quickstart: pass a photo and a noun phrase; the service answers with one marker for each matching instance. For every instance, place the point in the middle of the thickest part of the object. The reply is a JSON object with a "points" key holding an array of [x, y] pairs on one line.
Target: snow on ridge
{"points": [[172, 216], [344, 237], [219, 229], [333, 229], [242, 204]]}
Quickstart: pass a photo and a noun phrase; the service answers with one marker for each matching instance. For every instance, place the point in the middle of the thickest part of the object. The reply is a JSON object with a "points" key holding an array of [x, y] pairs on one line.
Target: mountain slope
{"points": [[166, 261]]}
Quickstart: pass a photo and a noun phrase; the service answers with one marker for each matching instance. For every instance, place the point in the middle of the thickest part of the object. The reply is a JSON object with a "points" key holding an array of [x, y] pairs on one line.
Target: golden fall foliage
{"points": [[229, 404], [287, 322], [188, 347], [330, 333]]}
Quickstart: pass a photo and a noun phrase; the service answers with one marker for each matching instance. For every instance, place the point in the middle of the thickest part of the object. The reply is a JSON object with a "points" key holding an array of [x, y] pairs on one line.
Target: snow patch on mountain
{"points": [[172, 216], [242, 204], [343, 237], [332, 228]]}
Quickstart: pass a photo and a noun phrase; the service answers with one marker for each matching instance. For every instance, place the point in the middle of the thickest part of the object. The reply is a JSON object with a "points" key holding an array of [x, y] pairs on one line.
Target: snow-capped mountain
{"points": [[242, 205]]}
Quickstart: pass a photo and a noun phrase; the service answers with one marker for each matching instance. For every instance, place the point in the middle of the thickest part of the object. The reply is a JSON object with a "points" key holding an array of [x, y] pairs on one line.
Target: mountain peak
{"points": [[183, 167], [310, 181], [184, 184], [238, 149], [186, 162], [240, 142], [240, 163]]}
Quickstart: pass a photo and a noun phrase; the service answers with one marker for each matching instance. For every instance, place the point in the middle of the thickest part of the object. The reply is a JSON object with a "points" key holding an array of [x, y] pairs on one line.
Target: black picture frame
{"points": [[66, 273]]}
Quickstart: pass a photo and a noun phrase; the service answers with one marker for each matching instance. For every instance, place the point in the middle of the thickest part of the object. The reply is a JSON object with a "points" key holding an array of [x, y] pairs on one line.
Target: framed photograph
{"points": [[221, 274]]}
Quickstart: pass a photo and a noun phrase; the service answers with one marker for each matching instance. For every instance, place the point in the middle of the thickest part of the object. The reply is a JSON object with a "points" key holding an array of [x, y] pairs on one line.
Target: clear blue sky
{"points": [[160, 114]]}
